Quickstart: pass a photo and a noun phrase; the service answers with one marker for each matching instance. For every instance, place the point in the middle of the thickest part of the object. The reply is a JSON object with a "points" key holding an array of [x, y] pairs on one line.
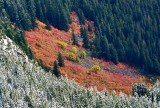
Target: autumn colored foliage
{"points": [[47, 44]]}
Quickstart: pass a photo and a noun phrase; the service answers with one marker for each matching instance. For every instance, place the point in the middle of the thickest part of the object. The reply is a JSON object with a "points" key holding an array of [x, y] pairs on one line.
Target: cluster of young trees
{"points": [[126, 31]]}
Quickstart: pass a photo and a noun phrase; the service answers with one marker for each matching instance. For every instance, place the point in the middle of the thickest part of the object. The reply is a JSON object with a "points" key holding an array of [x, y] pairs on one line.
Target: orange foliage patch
{"points": [[45, 48]]}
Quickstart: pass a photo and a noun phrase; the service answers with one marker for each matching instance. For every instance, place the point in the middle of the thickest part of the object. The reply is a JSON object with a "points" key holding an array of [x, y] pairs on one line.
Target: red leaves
{"points": [[49, 49]]}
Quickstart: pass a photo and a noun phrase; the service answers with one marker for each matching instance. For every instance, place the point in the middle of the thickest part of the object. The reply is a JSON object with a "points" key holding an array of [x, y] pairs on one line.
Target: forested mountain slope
{"points": [[24, 84], [78, 62], [126, 31], [95, 45]]}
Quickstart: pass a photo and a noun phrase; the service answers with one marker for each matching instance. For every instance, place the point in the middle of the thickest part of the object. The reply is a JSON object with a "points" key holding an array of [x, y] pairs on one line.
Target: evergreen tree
{"points": [[30, 53], [1, 5], [56, 71], [48, 26], [32, 11], [84, 34], [121, 50], [105, 47], [89, 27], [81, 17], [63, 20], [67, 10], [156, 66], [60, 60], [17, 21], [114, 56], [24, 17], [39, 12], [5, 23], [74, 38], [97, 49]]}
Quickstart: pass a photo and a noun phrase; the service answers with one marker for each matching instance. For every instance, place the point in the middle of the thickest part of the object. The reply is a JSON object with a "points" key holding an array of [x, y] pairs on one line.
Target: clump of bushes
{"points": [[37, 44], [96, 68], [74, 71], [74, 50], [71, 56], [62, 44], [83, 54]]}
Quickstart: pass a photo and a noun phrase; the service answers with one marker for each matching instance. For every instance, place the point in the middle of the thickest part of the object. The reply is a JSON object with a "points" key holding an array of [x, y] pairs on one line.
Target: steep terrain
{"points": [[104, 50], [46, 45], [24, 84]]}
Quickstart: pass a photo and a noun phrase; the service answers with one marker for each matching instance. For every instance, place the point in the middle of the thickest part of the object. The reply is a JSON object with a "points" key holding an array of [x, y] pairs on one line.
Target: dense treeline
{"points": [[126, 31], [24, 13]]}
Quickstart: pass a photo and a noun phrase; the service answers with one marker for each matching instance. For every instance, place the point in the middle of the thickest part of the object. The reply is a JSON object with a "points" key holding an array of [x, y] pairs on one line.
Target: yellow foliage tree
{"points": [[74, 50], [96, 68], [62, 44], [71, 56]]}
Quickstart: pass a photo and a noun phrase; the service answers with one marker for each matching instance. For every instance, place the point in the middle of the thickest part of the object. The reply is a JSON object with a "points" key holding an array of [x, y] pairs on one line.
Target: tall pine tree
{"points": [[74, 38], [89, 27], [56, 71], [84, 34], [81, 16], [32, 11], [60, 60], [114, 56], [63, 20], [105, 47]]}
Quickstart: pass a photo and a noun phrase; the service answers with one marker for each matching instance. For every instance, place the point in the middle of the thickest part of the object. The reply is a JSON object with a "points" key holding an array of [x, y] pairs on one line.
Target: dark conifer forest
{"points": [[125, 30]]}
